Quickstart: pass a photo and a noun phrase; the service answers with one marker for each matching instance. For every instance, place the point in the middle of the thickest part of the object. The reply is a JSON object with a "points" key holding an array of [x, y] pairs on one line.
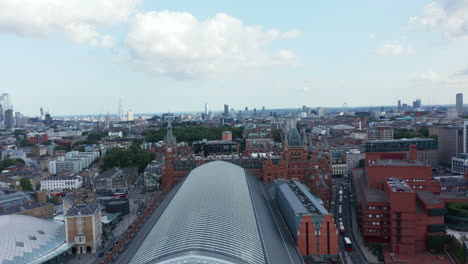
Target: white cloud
{"points": [[179, 44], [292, 34], [449, 17], [371, 36], [429, 76], [77, 19], [393, 49]]}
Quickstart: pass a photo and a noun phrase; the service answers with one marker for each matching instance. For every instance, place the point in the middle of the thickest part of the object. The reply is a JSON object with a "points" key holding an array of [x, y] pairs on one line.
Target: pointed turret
{"points": [[170, 139]]}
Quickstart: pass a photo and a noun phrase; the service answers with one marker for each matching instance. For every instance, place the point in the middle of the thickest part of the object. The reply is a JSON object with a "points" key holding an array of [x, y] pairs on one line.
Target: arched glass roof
{"points": [[26, 239], [210, 219]]}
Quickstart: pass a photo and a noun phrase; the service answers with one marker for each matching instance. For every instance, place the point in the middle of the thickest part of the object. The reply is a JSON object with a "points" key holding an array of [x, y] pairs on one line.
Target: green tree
{"points": [[26, 184], [424, 131], [277, 136], [361, 163], [137, 141], [53, 199], [193, 133], [25, 143], [10, 162], [134, 156]]}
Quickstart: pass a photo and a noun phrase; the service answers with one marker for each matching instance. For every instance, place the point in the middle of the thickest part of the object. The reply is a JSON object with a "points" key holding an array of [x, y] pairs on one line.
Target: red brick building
{"points": [[294, 162], [397, 202], [39, 138], [311, 225]]}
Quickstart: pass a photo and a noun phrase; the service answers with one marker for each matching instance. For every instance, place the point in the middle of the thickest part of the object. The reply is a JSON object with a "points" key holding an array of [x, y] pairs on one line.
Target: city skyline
{"points": [[164, 56]]}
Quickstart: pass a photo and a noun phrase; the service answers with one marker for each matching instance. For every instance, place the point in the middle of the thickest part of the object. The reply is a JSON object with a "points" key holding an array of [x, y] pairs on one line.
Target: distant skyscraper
{"points": [[399, 106], [9, 121], [121, 113], [405, 107], [460, 104], [130, 116], [263, 108], [246, 109], [320, 112], [226, 110], [255, 112], [207, 109], [417, 104], [2, 113], [48, 120], [465, 136], [5, 101]]}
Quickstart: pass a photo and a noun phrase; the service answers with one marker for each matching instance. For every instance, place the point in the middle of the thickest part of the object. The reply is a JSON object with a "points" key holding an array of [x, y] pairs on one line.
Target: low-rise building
{"points": [[339, 169], [460, 163], [83, 225], [353, 157], [380, 133], [215, 147], [73, 162], [116, 180], [427, 148], [60, 183], [19, 202]]}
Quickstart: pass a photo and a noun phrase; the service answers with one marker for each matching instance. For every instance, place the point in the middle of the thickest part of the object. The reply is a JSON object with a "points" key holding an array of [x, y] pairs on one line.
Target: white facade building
{"points": [[460, 163], [115, 134], [320, 111], [53, 167], [73, 161], [339, 169], [61, 183], [352, 159]]}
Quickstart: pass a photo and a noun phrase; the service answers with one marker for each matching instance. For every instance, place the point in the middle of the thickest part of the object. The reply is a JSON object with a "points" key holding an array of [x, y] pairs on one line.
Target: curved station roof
{"points": [[211, 219], [27, 239]]}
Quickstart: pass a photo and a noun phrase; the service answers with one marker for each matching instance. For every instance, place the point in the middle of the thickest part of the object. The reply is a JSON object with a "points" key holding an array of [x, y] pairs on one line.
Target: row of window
{"points": [[376, 223], [377, 208], [415, 180], [375, 215]]}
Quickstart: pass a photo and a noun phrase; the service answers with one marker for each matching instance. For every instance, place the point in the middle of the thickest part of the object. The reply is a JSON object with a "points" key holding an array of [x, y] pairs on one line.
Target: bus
{"points": [[348, 245], [342, 230]]}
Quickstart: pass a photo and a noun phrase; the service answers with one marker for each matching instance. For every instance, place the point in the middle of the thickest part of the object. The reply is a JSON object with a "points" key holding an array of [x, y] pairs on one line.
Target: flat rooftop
{"points": [[399, 163], [214, 142], [375, 195], [398, 185], [401, 140], [429, 197]]}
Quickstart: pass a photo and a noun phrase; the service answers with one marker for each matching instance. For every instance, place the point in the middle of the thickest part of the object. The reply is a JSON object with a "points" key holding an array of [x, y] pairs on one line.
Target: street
{"points": [[356, 256]]}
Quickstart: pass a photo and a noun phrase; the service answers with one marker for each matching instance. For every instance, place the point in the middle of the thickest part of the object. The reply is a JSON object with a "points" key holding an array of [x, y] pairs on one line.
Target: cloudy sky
{"points": [[80, 56]]}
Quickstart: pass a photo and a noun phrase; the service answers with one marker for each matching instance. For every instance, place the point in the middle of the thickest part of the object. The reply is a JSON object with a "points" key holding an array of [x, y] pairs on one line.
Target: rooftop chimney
{"points": [[413, 153]]}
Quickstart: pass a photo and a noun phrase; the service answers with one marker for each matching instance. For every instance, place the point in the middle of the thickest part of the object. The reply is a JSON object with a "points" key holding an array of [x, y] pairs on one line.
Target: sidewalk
{"points": [[80, 258], [371, 258]]}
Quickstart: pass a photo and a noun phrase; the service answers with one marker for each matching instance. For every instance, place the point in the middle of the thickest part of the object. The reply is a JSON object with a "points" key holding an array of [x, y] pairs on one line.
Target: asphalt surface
{"points": [[356, 256], [279, 244]]}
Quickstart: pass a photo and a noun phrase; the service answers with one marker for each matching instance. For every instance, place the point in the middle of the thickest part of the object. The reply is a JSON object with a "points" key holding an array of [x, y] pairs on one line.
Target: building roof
{"points": [[301, 199], [211, 218], [27, 239], [375, 195], [401, 140], [429, 198], [294, 139], [398, 185], [399, 163]]}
